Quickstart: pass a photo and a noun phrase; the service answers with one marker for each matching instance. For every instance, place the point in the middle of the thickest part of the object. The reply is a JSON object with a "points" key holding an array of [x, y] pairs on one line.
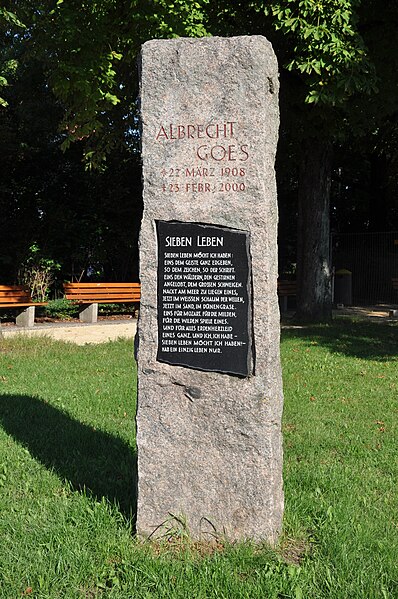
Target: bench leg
{"points": [[26, 318], [283, 303], [89, 313]]}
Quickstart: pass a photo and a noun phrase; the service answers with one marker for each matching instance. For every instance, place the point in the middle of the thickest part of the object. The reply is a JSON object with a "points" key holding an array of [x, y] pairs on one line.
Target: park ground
{"points": [[67, 459], [110, 329]]}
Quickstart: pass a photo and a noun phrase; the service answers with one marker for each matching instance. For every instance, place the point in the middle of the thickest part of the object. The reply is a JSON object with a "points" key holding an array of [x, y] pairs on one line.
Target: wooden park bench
{"points": [[89, 295], [18, 297], [286, 289]]}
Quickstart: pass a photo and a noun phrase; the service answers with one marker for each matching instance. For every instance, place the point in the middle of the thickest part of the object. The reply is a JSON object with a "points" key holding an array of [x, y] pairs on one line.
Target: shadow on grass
{"points": [[358, 338], [91, 460]]}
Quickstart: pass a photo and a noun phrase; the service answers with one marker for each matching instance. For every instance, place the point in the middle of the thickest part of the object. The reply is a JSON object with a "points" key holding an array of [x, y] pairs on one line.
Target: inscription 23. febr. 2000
{"points": [[204, 297], [219, 159]]}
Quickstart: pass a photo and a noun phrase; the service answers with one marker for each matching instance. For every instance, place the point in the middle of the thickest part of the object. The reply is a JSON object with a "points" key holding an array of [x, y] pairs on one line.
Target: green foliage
{"points": [[61, 308], [37, 272], [8, 20], [10, 17], [47, 196], [325, 47], [90, 52], [180, 17]]}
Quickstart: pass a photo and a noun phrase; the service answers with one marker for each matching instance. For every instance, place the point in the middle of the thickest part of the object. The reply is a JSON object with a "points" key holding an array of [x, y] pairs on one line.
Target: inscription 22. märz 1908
{"points": [[204, 297]]}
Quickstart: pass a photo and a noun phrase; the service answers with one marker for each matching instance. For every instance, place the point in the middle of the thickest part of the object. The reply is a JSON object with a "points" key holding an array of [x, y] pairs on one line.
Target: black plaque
{"points": [[204, 297]]}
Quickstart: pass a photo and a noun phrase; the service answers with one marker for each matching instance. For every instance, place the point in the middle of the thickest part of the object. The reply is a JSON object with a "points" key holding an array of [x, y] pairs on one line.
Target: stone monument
{"points": [[209, 378]]}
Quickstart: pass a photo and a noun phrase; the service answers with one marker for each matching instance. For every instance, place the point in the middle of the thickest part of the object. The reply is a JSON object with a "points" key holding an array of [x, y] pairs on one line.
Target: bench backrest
{"points": [[14, 294], [287, 287], [95, 292]]}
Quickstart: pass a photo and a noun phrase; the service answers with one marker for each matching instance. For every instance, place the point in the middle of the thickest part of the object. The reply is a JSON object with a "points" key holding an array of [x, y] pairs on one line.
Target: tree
{"points": [[8, 22], [74, 86], [333, 58], [332, 55], [88, 51], [49, 199]]}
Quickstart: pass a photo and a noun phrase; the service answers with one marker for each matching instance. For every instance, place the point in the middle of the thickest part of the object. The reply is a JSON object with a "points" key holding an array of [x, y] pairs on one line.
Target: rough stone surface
{"points": [[89, 313], [209, 444], [26, 318]]}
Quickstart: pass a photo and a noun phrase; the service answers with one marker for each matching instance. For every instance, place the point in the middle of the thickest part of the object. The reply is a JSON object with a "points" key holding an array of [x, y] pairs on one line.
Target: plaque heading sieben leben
{"points": [[201, 241]]}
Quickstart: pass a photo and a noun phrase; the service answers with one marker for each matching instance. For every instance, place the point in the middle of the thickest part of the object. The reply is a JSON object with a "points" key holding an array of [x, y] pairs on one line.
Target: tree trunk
{"points": [[314, 296]]}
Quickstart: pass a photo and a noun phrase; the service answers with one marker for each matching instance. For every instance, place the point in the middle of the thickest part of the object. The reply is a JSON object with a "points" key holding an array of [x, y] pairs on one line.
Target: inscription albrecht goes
{"points": [[212, 131]]}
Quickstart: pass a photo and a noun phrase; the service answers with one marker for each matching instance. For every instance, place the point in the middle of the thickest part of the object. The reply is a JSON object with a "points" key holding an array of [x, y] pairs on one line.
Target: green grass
{"points": [[67, 471]]}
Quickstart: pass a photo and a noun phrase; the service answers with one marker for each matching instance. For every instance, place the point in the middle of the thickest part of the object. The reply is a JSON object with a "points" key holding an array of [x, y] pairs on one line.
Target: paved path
{"points": [[108, 330], [79, 333]]}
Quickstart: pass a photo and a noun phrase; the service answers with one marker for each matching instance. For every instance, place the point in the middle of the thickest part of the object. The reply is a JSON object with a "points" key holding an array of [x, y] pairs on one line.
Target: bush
{"points": [[38, 272], [61, 308]]}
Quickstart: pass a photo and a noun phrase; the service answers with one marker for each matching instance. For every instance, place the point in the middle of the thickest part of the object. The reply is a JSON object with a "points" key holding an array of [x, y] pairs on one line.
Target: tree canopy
{"points": [[68, 87]]}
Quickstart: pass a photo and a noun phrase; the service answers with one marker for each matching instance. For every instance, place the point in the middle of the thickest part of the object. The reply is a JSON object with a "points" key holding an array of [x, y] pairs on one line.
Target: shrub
{"points": [[61, 308], [37, 272]]}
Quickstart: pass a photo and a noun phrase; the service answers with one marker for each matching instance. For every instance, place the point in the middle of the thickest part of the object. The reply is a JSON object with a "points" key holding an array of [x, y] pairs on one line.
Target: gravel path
{"points": [[78, 333], [108, 330]]}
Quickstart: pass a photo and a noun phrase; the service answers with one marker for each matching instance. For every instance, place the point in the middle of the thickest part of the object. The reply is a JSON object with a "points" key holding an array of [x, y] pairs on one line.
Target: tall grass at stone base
{"points": [[67, 460]]}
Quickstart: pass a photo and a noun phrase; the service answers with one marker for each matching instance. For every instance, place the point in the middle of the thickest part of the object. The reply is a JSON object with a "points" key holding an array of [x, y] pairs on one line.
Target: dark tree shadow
{"points": [[359, 338], [91, 460]]}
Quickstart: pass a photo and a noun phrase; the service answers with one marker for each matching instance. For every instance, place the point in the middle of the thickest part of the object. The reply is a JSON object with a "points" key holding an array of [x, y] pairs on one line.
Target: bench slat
{"points": [[18, 296], [12, 296], [22, 304], [96, 292], [107, 301], [92, 294], [103, 293], [102, 285], [94, 298], [103, 290], [287, 287], [15, 293], [15, 300]]}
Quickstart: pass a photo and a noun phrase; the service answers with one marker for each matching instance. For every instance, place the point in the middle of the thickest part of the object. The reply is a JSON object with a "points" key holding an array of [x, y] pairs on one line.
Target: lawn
{"points": [[67, 463]]}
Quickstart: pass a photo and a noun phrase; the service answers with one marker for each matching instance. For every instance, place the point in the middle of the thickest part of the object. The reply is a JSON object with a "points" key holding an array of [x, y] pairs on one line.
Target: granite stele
{"points": [[209, 378]]}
